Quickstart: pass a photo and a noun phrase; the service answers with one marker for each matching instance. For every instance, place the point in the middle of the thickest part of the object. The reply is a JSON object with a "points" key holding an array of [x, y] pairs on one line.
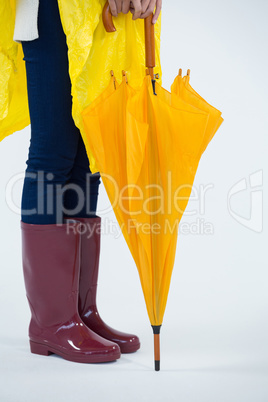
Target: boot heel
{"points": [[39, 349]]}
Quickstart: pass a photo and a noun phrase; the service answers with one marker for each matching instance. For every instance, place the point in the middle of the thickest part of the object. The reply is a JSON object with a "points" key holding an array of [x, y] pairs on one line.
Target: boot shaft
{"points": [[51, 266], [89, 264]]}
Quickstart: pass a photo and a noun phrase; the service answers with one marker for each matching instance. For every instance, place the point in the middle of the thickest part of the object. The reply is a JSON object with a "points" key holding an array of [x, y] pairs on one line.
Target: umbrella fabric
{"points": [[92, 51], [147, 150], [181, 88]]}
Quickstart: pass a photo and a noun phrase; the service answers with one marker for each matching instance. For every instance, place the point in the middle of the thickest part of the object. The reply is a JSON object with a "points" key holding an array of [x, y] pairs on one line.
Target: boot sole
{"points": [[46, 350], [130, 348]]}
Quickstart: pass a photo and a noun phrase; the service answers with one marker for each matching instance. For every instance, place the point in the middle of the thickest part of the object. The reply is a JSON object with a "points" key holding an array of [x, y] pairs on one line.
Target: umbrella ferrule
{"points": [[156, 329]]}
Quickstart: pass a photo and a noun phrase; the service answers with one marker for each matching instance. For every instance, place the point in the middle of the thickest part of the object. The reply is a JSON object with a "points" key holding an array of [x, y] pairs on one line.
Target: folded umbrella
{"points": [[147, 144]]}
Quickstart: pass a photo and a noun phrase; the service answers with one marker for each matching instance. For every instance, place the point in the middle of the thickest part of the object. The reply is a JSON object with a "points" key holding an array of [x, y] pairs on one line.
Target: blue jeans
{"points": [[58, 181]]}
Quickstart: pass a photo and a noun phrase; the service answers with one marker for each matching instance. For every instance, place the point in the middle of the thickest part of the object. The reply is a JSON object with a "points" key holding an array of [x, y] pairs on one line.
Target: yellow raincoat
{"points": [[92, 53]]}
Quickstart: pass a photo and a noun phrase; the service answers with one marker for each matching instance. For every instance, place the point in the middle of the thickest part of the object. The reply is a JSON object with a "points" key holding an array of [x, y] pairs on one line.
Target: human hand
{"points": [[147, 8], [124, 6]]}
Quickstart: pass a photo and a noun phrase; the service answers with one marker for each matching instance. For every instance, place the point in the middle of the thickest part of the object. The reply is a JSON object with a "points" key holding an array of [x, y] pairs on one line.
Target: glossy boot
{"points": [[89, 268], [51, 264]]}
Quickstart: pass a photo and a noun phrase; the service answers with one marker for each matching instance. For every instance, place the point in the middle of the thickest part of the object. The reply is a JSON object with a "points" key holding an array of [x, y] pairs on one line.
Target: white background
{"points": [[215, 330]]}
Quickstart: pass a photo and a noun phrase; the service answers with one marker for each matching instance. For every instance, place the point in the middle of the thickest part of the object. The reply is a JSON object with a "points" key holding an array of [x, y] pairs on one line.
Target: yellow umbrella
{"points": [[146, 144]]}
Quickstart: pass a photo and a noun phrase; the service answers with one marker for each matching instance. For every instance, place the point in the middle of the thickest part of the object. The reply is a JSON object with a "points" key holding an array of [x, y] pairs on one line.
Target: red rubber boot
{"points": [[89, 268], [51, 265]]}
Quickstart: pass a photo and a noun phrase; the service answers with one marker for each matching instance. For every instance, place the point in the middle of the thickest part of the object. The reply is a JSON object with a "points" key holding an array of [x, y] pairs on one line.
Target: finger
{"points": [[137, 7], [113, 7], [157, 11], [149, 10], [119, 6], [144, 6], [125, 6]]}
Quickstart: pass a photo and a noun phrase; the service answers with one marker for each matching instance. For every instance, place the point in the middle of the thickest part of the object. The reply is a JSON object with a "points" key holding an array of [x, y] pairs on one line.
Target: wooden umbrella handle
{"points": [[149, 44], [107, 19]]}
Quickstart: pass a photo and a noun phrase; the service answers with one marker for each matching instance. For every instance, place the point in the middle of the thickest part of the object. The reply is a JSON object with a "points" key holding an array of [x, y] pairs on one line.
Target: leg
{"points": [[51, 252], [54, 136], [82, 195]]}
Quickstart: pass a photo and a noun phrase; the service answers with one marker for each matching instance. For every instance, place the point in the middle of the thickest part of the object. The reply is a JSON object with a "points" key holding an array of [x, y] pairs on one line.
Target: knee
{"points": [[52, 168]]}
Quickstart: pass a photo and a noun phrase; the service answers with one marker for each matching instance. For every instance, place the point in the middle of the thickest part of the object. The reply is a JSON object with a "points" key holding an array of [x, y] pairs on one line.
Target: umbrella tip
{"points": [[156, 331]]}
